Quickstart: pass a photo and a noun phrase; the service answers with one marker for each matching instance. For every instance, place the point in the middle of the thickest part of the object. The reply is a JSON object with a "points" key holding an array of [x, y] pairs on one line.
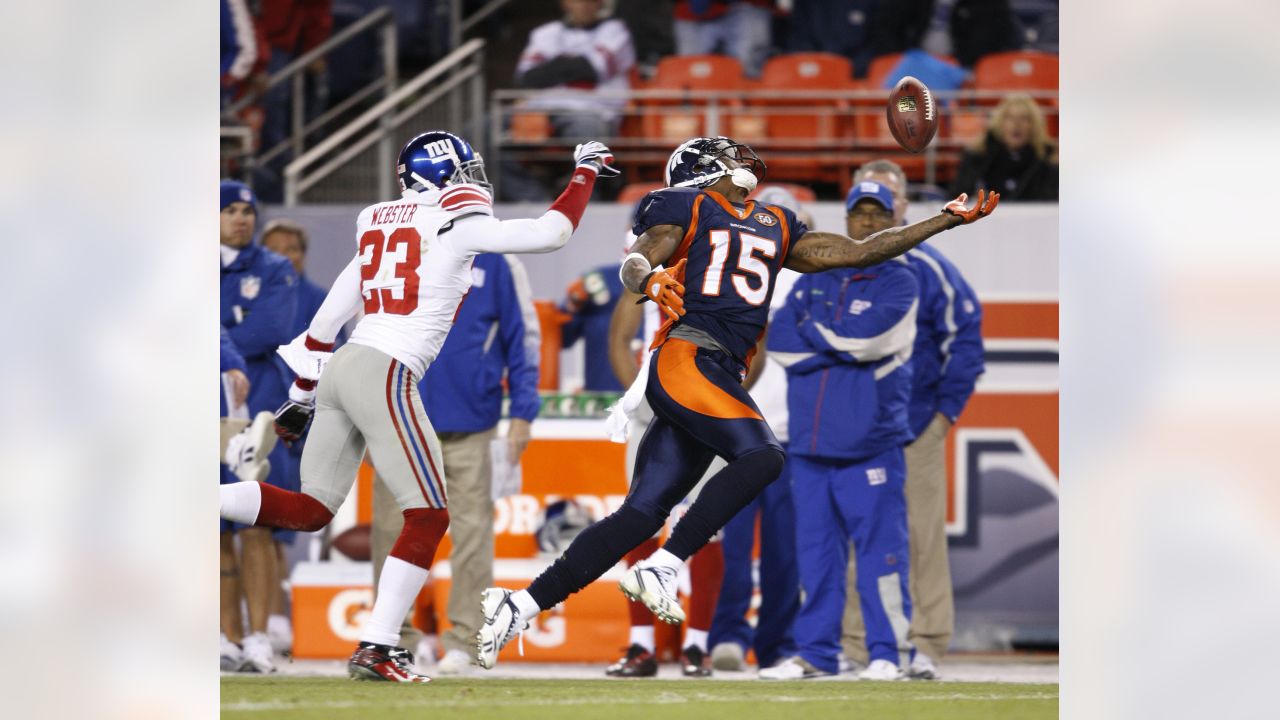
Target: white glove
{"points": [[597, 156], [305, 363]]}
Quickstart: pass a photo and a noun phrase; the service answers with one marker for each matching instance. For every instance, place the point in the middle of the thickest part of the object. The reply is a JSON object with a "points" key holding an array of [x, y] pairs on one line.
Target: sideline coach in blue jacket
{"points": [[495, 335], [845, 338], [259, 293], [945, 366]]}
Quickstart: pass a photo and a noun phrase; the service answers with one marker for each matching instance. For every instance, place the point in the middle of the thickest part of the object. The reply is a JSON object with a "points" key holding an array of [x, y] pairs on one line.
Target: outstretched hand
{"points": [[980, 209], [597, 156]]}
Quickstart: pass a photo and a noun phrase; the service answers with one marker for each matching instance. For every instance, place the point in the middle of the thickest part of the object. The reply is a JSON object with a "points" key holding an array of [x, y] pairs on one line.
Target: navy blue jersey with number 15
{"points": [[734, 254]]}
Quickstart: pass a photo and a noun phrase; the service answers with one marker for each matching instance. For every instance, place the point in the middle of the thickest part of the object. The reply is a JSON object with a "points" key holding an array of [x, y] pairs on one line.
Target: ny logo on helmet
{"points": [[441, 151]]}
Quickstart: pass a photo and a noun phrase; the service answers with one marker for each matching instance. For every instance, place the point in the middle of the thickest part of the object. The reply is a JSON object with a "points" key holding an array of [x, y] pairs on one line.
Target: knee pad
{"points": [[423, 528]]}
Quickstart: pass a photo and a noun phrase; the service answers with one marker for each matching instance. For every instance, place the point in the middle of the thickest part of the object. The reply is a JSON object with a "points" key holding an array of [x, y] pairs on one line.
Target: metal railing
{"points": [[354, 163], [835, 129], [235, 151], [458, 25], [380, 21]]}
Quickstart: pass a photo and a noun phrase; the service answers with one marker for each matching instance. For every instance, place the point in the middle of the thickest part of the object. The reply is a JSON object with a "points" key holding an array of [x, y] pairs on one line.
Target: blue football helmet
{"points": [[437, 159], [700, 162]]}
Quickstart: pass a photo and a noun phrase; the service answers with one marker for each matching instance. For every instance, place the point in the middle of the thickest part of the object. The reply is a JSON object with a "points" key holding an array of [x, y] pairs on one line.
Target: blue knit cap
{"points": [[234, 191]]}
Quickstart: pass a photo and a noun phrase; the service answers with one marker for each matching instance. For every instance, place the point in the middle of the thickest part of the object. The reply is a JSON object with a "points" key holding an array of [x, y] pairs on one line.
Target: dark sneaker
{"points": [[695, 663], [638, 662], [383, 662]]}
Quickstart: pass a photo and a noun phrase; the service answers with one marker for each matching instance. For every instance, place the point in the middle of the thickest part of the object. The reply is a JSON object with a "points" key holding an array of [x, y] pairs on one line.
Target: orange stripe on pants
{"points": [[684, 382]]}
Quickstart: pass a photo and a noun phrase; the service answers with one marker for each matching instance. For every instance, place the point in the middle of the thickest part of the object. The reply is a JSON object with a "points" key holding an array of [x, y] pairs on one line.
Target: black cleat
{"points": [[694, 662], [638, 662], [383, 662]]}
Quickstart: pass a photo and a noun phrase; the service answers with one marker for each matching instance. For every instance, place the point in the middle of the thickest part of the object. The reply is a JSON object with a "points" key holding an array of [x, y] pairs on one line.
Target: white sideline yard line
{"points": [[661, 698]]}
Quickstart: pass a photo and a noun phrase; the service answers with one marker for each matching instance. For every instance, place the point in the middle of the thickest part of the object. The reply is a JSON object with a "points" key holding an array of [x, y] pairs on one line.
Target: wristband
{"points": [[313, 344]]}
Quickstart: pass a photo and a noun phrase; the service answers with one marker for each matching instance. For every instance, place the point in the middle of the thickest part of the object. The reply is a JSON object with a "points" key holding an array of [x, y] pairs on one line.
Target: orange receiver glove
{"points": [[662, 287], [980, 209]]}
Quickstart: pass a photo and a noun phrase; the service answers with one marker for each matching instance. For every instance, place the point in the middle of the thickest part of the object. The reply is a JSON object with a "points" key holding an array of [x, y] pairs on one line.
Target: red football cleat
{"points": [[383, 662]]}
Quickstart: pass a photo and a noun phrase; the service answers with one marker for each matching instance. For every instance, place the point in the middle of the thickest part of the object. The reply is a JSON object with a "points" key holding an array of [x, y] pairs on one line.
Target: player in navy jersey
{"points": [[723, 253]]}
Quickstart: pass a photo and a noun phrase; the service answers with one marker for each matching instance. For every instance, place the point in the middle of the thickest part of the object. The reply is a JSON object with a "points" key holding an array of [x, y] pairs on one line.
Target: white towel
{"points": [[620, 413]]}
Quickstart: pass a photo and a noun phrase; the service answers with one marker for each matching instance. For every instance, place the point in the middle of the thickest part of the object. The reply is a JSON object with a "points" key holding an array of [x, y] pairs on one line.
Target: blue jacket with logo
{"points": [[259, 297], [229, 358], [845, 338], [496, 329], [589, 304], [947, 359]]}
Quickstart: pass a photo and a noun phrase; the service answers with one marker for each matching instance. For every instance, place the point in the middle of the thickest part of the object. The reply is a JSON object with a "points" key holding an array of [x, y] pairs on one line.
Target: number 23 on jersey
{"points": [[748, 264], [389, 270]]}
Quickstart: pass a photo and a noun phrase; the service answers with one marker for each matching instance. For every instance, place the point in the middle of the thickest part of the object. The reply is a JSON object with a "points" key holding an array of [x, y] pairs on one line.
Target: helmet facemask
{"points": [[472, 171]]}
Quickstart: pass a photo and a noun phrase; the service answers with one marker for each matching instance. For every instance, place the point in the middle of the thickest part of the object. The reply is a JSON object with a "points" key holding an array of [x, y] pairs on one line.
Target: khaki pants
{"points": [[469, 476], [932, 610]]}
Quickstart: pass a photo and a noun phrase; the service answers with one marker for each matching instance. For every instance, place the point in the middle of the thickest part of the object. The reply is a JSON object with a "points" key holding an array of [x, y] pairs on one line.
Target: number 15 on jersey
{"points": [[754, 291]]}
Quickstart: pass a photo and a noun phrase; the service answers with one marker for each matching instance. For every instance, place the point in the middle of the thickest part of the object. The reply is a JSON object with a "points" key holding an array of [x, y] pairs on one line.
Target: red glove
{"points": [[980, 209], [662, 287]]}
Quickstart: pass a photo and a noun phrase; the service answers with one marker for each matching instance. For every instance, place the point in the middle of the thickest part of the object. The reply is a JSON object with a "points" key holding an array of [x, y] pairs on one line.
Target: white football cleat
{"points": [[922, 668], [881, 670], [257, 654], [656, 587], [728, 656], [247, 451], [231, 656], [502, 621], [454, 662], [793, 668]]}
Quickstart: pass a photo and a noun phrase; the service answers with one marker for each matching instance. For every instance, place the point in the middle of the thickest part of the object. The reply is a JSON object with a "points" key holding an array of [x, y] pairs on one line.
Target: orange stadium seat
{"points": [[1022, 71], [1014, 71], [962, 126], [806, 71], [1018, 72], [693, 73], [530, 127]]}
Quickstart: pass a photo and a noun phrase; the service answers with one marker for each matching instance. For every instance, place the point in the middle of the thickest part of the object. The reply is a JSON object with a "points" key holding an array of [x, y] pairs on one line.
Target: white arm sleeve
{"points": [[342, 302], [484, 233]]}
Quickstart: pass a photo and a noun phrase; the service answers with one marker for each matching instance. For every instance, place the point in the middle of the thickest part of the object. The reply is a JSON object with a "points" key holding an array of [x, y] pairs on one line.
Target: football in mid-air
{"points": [[912, 114], [355, 542]]}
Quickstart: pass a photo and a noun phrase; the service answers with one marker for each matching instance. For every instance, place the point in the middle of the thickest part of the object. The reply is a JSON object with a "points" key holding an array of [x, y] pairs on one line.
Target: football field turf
{"points": [[268, 698]]}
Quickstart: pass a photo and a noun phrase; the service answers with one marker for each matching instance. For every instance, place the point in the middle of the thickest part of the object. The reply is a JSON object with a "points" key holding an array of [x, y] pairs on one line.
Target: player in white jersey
{"points": [[410, 273]]}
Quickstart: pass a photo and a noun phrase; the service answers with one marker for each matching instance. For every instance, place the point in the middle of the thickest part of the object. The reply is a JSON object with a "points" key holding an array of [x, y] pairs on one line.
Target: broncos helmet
{"points": [[437, 159], [700, 162]]}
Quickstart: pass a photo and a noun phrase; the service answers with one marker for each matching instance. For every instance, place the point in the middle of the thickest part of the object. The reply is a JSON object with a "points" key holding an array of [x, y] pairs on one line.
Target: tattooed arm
{"points": [[818, 251]]}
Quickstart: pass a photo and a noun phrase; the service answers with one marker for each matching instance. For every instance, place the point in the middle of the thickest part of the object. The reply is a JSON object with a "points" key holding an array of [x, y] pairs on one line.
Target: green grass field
{"points": [[279, 697]]}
